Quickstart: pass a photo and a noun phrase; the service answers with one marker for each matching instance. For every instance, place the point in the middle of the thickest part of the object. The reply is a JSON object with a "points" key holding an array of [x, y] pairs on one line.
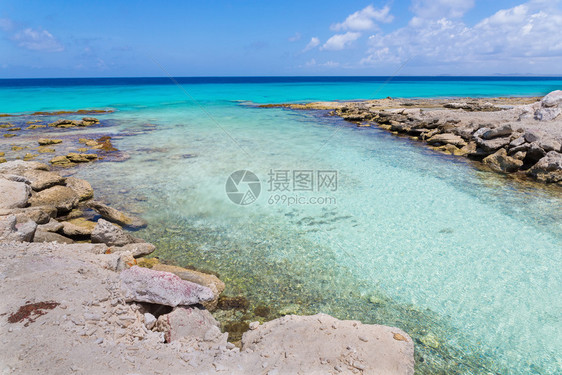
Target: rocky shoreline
{"points": [[80, 297], [519, 137]]}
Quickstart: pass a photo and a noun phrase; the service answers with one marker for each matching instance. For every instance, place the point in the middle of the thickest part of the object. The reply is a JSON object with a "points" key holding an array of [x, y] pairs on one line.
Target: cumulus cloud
{"points": [[341, 41], [364, 19], [314, 42], [436, 9], [530, 30], [37, 40]]}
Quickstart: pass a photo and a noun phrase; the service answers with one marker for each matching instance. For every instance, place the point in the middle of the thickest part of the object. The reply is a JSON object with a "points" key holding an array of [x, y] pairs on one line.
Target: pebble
{"points": [[99, 340], [359, 366], [363, 338], [254, 325], [338, 368]]}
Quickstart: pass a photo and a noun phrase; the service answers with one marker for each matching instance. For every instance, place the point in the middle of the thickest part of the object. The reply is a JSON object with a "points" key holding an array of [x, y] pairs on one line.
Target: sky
{"points": [[279, 38]]}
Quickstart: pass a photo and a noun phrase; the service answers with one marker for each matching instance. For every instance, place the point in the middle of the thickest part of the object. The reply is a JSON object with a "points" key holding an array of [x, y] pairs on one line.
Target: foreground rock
{"points": [[79, 323], [111, 235], [145, 285], [343, 346]]}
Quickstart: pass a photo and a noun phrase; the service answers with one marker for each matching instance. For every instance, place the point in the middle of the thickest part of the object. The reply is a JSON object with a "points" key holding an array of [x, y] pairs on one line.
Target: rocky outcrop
{"points": [[164, 288], [513, 140]]}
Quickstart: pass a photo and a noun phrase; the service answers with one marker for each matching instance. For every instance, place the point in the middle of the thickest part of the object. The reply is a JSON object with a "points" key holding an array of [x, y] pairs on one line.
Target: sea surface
{"points": [[328, 217]]}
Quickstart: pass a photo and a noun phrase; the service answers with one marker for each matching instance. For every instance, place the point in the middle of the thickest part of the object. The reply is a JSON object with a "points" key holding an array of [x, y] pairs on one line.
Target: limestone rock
{"points": [[111, 235], [41, 236], [188, 322], [447, 138], [548, 169], [81, 187], [547, 114], [61, 161], [376, 349], [13, 194], [17, 167], [72, 230], [52, 226], [116, 216], [47, 141], [500, 162], [136, 249], [553, 99], [210, 281], [11, 231], [41, 180], [501, 131], [62, 197], [491, 145], [145, 285]]}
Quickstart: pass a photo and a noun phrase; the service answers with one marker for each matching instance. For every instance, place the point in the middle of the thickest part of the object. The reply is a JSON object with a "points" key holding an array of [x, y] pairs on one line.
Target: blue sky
{"points": [[248, 38]]}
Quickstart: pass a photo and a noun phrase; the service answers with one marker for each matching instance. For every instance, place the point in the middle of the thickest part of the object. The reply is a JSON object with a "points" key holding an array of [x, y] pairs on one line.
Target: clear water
{"points": [[465, 261]]}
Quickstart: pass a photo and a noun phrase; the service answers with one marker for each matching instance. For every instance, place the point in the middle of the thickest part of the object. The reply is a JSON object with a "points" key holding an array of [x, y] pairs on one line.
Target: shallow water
{"points": [[465, 261]]}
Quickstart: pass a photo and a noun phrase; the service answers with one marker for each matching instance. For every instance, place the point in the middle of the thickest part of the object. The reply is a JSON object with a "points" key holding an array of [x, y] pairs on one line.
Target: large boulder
{"points": [[500, 162], [164, 288], [62, 197], [551, 107], [116, 216], [321, 344], [553, 99], [111, 235], [13, 194], [10, 230], [210, 281], [189, 322], [491, 145], [81, 187], [548, 169]]}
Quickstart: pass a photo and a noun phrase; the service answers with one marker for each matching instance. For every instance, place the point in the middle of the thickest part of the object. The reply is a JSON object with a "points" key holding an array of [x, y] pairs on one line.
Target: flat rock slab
{"points": [[320, 343], [13, 194], [163, 288]]}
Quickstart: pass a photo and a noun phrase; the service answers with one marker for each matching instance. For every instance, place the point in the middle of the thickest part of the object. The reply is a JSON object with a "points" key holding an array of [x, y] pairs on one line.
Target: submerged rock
{"points": [[47, 141], [163, 288], [116, 216]]}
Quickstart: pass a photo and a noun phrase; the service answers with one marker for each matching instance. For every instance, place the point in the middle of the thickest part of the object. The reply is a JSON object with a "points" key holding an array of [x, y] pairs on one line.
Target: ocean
{"points": [[305, 213]]}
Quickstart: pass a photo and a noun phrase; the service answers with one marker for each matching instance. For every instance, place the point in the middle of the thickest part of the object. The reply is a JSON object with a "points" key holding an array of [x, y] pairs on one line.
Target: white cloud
{"points": [[6, 24], [509, 38], [314, 42], [37, 40], [341, 41], [364, 19], [295, 37], [435, 9]]}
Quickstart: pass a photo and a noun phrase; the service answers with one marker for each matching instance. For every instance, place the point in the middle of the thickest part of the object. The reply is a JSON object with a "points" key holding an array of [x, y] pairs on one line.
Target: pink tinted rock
{"points": [[164, 288]]}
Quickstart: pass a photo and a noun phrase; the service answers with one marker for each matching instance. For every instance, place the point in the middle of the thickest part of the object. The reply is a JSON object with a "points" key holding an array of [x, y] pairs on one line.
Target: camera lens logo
{"points": [[243, 187]]}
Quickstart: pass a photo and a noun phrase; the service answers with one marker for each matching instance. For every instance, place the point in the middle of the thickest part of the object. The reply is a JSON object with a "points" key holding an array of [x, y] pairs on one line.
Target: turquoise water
{"points": [[465, 261]]}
